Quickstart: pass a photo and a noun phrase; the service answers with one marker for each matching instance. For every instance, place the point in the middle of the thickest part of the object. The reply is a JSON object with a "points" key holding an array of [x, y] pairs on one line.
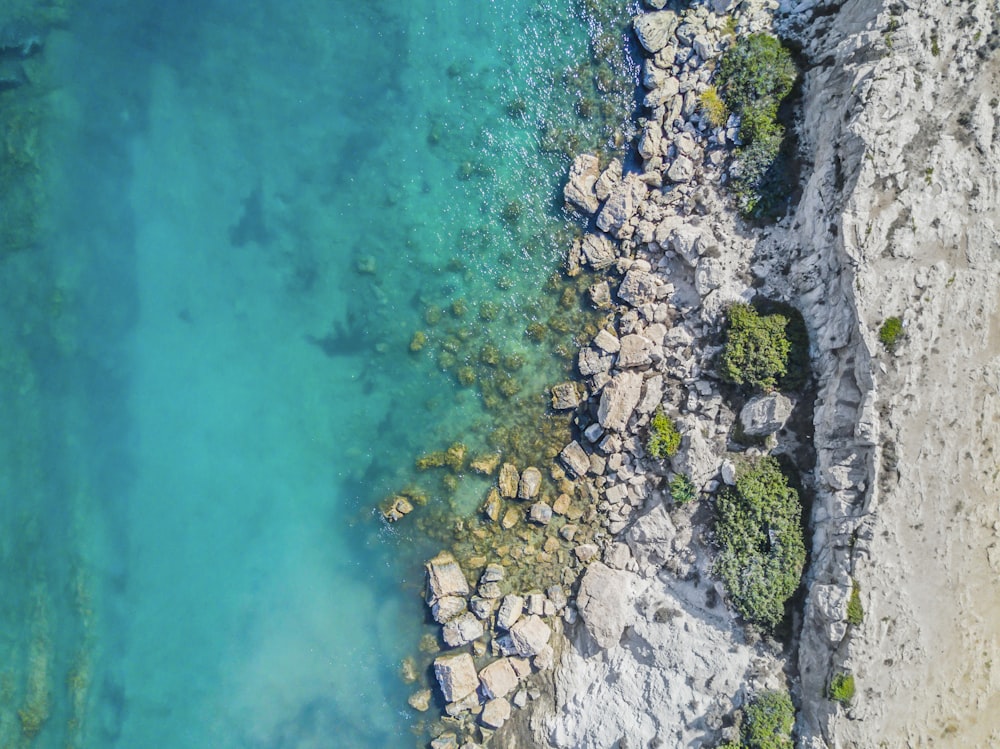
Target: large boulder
{"points": [[622, 204], [531, 480], [655, 30], [510, 611], [579, 191], [575, 458], [462, 630], [765, 414], [456, 675], [619, 399], [529, 635], [498, 678], [650, 538], [635, 351], [495, 713], [602, 603], [598, 249], [445, 578], [637, 288]]}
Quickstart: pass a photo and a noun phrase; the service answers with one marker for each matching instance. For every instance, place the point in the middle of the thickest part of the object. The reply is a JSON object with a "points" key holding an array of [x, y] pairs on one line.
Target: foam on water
{"points": [[253, 208]]}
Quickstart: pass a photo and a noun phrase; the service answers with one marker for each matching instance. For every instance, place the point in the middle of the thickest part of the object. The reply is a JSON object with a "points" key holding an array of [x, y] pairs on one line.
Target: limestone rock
{"points": [[445, 578], [619, 399], [635, 351], [579, 191], [598, 250], [607, 342], [565, 396], [650, 539], [498, 678], [575, 458], [545, 659], [608, 179], [529, 635], [447, 608], [508, 480], [510, 611], [682, 170], [531, 480], [493, 573], [584, 552], [495, 713], [655, 30], [765, 414], [462, 630], [591, 362], [621, 205], [456, 675], [637, 288], [602, 602]]}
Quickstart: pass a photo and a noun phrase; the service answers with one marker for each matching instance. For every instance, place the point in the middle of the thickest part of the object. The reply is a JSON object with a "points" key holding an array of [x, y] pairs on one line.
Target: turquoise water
{"points": [[207, 379]]}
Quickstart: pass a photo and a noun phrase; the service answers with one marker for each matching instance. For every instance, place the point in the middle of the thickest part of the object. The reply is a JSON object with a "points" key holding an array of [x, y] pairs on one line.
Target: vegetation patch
{"points": [[890, 332], [713, 107], [842, 688], [682, 489], [758, 527], [855, 611], [757, 348], [755, 75], [664, 438], [770, 717]]}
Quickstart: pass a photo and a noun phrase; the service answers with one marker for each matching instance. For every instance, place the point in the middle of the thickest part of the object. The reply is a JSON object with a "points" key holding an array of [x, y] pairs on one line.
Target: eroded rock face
{"points": [[602, 602], [619, 399], [765, 414], [456, 675]]}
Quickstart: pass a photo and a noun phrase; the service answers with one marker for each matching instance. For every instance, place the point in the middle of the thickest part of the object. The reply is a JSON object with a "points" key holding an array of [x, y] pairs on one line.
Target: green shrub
{"points": [[682, 489], [770, 717], [755, 75], [758, 527], [756, 349], [890, 332], [664, 438], [713, 107], [842, 688], [855, 611]]}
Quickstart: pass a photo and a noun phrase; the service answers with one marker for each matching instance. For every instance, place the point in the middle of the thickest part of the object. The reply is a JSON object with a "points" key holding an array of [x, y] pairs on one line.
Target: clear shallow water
{"points": [[206, 366]]}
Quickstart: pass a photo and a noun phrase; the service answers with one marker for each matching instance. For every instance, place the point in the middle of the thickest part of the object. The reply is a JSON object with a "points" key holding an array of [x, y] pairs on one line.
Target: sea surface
{"points": [[268, 254]]}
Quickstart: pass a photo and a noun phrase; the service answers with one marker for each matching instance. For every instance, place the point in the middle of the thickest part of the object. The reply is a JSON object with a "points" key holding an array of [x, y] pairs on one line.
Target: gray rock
{"points": [[637, 288], [655, 30], [598, 250], [650, 539], [591, 362], [602, 603], [765, 414], [635, 351], [585, 552], [493, 573], [495, 713], [600, 295], [608, 179], [482, 607], [684, 240], [445, 741], [682, 170], [498, 678], [545, 659], [619, 399], [728, 472], [445, 578], [510, 611], [565, 396], [447, 608], [607, 342], [529, 635], [531, 480], [540, 513], [490, 590], [462, 630], [456, 675], [621, 205], [575, 458], [579, 191]]}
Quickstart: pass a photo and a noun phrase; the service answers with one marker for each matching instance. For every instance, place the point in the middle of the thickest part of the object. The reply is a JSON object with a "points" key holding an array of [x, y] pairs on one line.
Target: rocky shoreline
{"points": [[645, 652]]}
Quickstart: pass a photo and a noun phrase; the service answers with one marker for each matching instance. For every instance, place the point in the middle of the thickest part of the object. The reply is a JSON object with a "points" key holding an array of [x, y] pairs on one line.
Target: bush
{"points": [[842, 688], [762, 550], [664, 438], [755, 75], [890, 331], [855, 611], [682, 489], [769, 720], [713, 107], [756, 349]]}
